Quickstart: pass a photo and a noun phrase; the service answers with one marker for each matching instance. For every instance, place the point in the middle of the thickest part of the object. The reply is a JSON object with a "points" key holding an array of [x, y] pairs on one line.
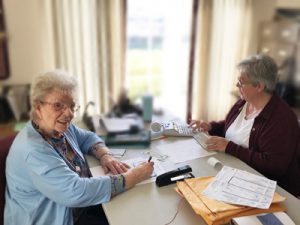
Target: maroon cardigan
{"points": [[274, 143]]}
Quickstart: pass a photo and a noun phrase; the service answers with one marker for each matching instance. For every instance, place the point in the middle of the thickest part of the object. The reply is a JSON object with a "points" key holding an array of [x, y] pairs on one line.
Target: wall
{"points": [[288, 4], [29, 45]]}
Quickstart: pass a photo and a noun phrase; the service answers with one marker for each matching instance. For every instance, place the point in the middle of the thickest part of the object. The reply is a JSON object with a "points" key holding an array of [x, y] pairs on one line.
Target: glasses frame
{"points": [[241, 84], [61, 107]]}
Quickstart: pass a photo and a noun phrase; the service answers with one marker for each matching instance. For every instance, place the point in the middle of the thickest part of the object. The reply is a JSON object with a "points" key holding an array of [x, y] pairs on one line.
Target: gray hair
{"points": [[260, 68], [47, 82]]}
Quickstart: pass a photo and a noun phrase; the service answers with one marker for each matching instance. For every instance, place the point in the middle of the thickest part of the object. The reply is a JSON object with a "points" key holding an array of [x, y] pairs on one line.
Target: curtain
{"points": [[201, 58], [89, 42], [223, 38]]}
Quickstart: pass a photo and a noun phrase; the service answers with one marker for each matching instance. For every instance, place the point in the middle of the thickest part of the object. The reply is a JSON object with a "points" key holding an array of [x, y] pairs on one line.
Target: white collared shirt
{"points": [[239, 131]]}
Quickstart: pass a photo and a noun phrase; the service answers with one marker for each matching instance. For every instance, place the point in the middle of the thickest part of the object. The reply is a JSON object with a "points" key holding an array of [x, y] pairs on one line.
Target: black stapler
{"points": [[174, 175]]}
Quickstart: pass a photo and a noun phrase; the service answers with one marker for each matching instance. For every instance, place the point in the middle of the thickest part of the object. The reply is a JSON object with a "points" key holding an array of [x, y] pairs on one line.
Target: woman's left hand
{"points": [[110, 164], [215, 143]]}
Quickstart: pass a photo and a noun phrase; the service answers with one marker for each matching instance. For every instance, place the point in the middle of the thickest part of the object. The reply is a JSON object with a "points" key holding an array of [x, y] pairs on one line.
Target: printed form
{"points": [[134, 162], [239, 187], [184, 150]]}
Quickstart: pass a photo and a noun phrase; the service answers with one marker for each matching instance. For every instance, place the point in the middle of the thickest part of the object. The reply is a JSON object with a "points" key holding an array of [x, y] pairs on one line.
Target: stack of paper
{"points": [[216, 212], [239, 187]]}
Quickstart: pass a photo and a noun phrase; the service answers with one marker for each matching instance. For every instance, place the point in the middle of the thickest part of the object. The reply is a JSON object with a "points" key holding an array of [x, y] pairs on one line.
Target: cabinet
{"points": [[4, 64], [280, 39]]}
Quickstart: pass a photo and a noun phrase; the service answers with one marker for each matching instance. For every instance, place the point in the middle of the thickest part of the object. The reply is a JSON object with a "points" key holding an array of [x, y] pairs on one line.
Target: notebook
{"points": [[276, 218]]}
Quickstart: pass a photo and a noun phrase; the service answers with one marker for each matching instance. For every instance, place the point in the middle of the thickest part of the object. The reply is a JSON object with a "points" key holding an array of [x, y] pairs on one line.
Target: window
{"points": [[158, 46]]}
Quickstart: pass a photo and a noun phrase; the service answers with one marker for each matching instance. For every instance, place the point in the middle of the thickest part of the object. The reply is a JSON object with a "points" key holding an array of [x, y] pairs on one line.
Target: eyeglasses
{"points": [[242, 84], [60, 107]]}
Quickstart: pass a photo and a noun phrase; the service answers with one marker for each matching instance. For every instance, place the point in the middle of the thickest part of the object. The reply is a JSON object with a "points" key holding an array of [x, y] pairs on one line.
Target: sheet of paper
{"points": [[158, 169], [184, 150], [239, 187], [116, 125]]}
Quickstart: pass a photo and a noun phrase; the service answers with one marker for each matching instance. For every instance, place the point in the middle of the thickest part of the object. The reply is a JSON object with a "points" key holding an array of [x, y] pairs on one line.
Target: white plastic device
{"points": [[172, 129], [201, 138]]}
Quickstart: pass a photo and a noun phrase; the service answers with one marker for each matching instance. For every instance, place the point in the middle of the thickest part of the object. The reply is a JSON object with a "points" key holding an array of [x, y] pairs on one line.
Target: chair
{"points": [[5, 144]]}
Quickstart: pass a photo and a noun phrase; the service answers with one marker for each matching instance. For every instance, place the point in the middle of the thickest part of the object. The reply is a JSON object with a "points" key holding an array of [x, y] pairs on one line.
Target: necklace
{"points": [[249, 114], [61, 147], [71, 157]]}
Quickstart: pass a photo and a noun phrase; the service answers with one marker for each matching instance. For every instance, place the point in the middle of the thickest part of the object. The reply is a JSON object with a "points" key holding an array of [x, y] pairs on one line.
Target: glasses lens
{"points": [[239, 83], [58, 106], [242, 84], [75, 107]]}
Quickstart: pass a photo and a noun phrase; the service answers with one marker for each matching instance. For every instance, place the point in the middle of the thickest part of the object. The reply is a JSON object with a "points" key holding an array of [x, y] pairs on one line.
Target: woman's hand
{"points": [[138, 174], [215, 143], [200, 125], [110, 164]]}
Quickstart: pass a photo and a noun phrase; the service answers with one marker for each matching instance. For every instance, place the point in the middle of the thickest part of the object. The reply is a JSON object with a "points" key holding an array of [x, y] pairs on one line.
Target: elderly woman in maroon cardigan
{"points": [[260, 129]]}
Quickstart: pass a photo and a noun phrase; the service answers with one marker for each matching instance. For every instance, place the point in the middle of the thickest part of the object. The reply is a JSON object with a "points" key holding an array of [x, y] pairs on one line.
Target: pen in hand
{"points": [[149, 158]]}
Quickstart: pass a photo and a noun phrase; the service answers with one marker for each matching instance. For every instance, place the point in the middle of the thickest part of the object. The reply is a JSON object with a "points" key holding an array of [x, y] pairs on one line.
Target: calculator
{"points": [[175, 129]]}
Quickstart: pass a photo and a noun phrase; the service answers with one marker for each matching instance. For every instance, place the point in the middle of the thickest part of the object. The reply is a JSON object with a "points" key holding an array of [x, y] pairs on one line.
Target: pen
{"points": [[158, 138], [149, 158]]}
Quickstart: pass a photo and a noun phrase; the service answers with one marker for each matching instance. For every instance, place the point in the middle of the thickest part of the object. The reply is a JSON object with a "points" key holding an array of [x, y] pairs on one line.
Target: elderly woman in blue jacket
{"points": [[48, 179]]}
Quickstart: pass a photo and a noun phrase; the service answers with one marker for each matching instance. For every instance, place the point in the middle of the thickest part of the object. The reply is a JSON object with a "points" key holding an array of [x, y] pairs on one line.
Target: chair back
{"points": [[5, 144]]}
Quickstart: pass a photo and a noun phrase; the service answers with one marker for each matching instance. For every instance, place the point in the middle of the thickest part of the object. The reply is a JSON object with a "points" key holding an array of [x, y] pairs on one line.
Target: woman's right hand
{"points": [[200, 125], [138, 174]]}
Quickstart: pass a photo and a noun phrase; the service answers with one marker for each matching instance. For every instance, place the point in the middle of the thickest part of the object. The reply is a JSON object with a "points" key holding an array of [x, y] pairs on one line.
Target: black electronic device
{"points": [[173, 176], [139, 139]]}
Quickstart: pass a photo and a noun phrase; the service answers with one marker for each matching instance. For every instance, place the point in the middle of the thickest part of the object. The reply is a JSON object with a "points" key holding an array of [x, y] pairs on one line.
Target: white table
{"points": [[150, 205]]}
